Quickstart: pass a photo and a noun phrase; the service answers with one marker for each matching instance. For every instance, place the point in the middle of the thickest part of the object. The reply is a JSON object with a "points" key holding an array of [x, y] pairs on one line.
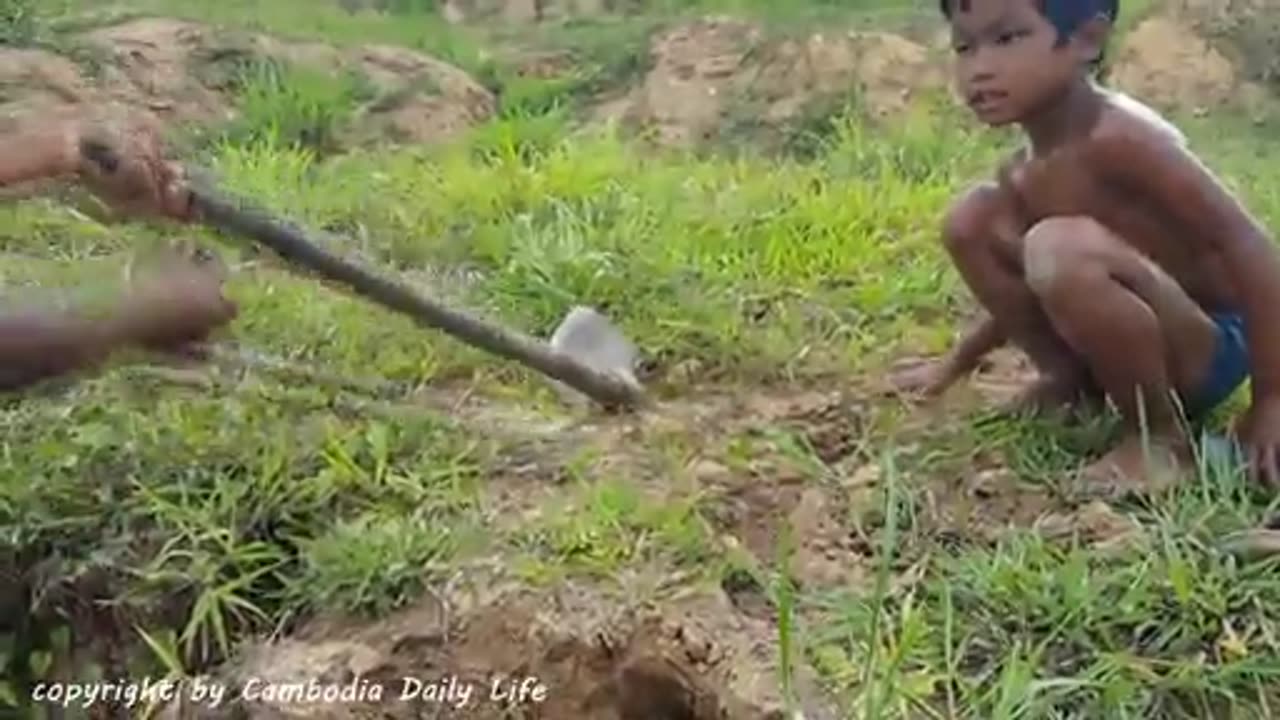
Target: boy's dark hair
{"points": [[1065, 15]]}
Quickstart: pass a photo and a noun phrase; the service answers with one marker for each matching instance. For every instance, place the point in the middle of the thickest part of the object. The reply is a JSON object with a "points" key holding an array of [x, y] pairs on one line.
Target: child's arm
{"points": [[119, 159], [36, 154], [170, 308], [932, 379], [974, 345], [173, 306]]}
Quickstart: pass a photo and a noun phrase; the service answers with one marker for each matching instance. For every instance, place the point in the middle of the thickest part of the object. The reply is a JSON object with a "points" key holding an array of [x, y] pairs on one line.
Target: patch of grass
{"points": [[18, 22], [373, 564], [590, 57], [608, 525], [413, 25], [293, 106], [1169, 628]]}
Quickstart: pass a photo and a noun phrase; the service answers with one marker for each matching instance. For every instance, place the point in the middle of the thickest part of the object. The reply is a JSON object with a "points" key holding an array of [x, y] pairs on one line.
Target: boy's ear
{"points": [[1090, 39]]}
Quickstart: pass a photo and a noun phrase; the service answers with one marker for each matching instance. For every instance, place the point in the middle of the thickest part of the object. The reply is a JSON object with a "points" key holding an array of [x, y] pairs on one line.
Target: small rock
{"points": [[697, 646], [986, 484], [686, 372], [867, 475], [710, 472]]}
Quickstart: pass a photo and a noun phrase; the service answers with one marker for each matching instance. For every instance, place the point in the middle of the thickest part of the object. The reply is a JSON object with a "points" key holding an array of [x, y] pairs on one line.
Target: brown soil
{"points": [[685, 656], [1162, 61], [1197, 55], [707, 72], [182, 73]]}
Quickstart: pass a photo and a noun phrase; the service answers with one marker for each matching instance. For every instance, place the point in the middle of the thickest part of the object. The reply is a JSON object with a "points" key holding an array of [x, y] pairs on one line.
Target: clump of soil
{"points": [[182, 72], [705, 72], [690, 657]]}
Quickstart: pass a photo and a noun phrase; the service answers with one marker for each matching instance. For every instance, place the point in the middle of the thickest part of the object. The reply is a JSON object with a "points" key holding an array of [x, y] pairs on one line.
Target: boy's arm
{"points": [[974, 345], [1175, 179], [963, 358]]}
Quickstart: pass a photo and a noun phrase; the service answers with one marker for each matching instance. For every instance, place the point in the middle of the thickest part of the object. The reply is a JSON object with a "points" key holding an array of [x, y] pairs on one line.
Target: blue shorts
{"points": [[1228, 369]]}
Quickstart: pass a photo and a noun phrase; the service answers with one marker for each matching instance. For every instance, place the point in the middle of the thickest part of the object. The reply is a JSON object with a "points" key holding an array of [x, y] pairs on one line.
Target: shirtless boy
{"points": [[1104, 249], [176, 304]]}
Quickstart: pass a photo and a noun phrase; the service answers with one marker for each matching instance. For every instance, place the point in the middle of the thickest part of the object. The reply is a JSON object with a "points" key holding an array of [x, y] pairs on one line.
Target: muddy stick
{"points": [[292, 244]]}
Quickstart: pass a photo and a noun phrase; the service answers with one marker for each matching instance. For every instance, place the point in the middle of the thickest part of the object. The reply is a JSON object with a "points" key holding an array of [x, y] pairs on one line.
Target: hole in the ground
{"points": [[746, 594], [651, 691]]}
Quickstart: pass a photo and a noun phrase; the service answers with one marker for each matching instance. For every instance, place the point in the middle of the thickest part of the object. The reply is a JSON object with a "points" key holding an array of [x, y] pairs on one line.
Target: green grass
{"points": [[217, 514]]}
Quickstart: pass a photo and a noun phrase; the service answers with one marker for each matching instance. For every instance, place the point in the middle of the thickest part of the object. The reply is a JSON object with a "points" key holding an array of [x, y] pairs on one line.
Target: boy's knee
{"points": [[969, 222], [1054, 249]]}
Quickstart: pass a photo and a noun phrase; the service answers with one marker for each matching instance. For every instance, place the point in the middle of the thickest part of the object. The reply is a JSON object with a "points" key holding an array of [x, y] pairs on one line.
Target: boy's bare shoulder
{"points": [[1130, 132], [1124, 117]]}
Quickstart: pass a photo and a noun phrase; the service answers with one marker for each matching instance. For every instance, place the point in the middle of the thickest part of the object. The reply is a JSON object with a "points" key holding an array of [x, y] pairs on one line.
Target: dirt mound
{"points": [[522, 653], [719, 70], [1163, 61], [1199, 54], [184, 72], [36, 78]]}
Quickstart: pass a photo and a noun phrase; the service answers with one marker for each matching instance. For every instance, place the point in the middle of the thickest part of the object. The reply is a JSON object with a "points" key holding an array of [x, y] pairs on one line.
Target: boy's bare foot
{"points": [[1135, 468]]}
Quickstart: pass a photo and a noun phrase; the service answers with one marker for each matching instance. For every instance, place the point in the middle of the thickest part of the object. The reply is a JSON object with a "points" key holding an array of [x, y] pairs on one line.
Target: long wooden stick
{"points": [[292, 244]]}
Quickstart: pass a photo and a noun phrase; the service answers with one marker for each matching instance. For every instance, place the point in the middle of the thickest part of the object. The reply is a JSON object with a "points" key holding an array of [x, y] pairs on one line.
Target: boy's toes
{"points": [[1130, 471]]}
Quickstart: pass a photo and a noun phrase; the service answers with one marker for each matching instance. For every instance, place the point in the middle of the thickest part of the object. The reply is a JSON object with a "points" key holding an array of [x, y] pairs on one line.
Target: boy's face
{"points": [[1008, 62]]}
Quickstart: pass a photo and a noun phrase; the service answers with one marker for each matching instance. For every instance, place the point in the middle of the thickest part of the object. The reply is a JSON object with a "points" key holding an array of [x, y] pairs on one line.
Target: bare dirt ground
{"points": [[650, 644]]}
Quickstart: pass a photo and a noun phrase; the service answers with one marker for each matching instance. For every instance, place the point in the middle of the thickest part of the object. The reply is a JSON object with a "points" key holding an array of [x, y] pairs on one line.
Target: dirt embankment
{"points": [[718, 73], [1197, 55], [722, 71], [705, 78], [186, 73]]}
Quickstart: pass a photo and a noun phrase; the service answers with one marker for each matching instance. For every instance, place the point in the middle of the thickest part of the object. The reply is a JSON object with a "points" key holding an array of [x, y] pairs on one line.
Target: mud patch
{"points": [[691, 657]]}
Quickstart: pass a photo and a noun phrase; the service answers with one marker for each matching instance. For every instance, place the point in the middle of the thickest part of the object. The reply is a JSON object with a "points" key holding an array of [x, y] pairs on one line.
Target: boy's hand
{"points": [[1259, 430], [174, 306], [121, 159], [920, 377]]}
